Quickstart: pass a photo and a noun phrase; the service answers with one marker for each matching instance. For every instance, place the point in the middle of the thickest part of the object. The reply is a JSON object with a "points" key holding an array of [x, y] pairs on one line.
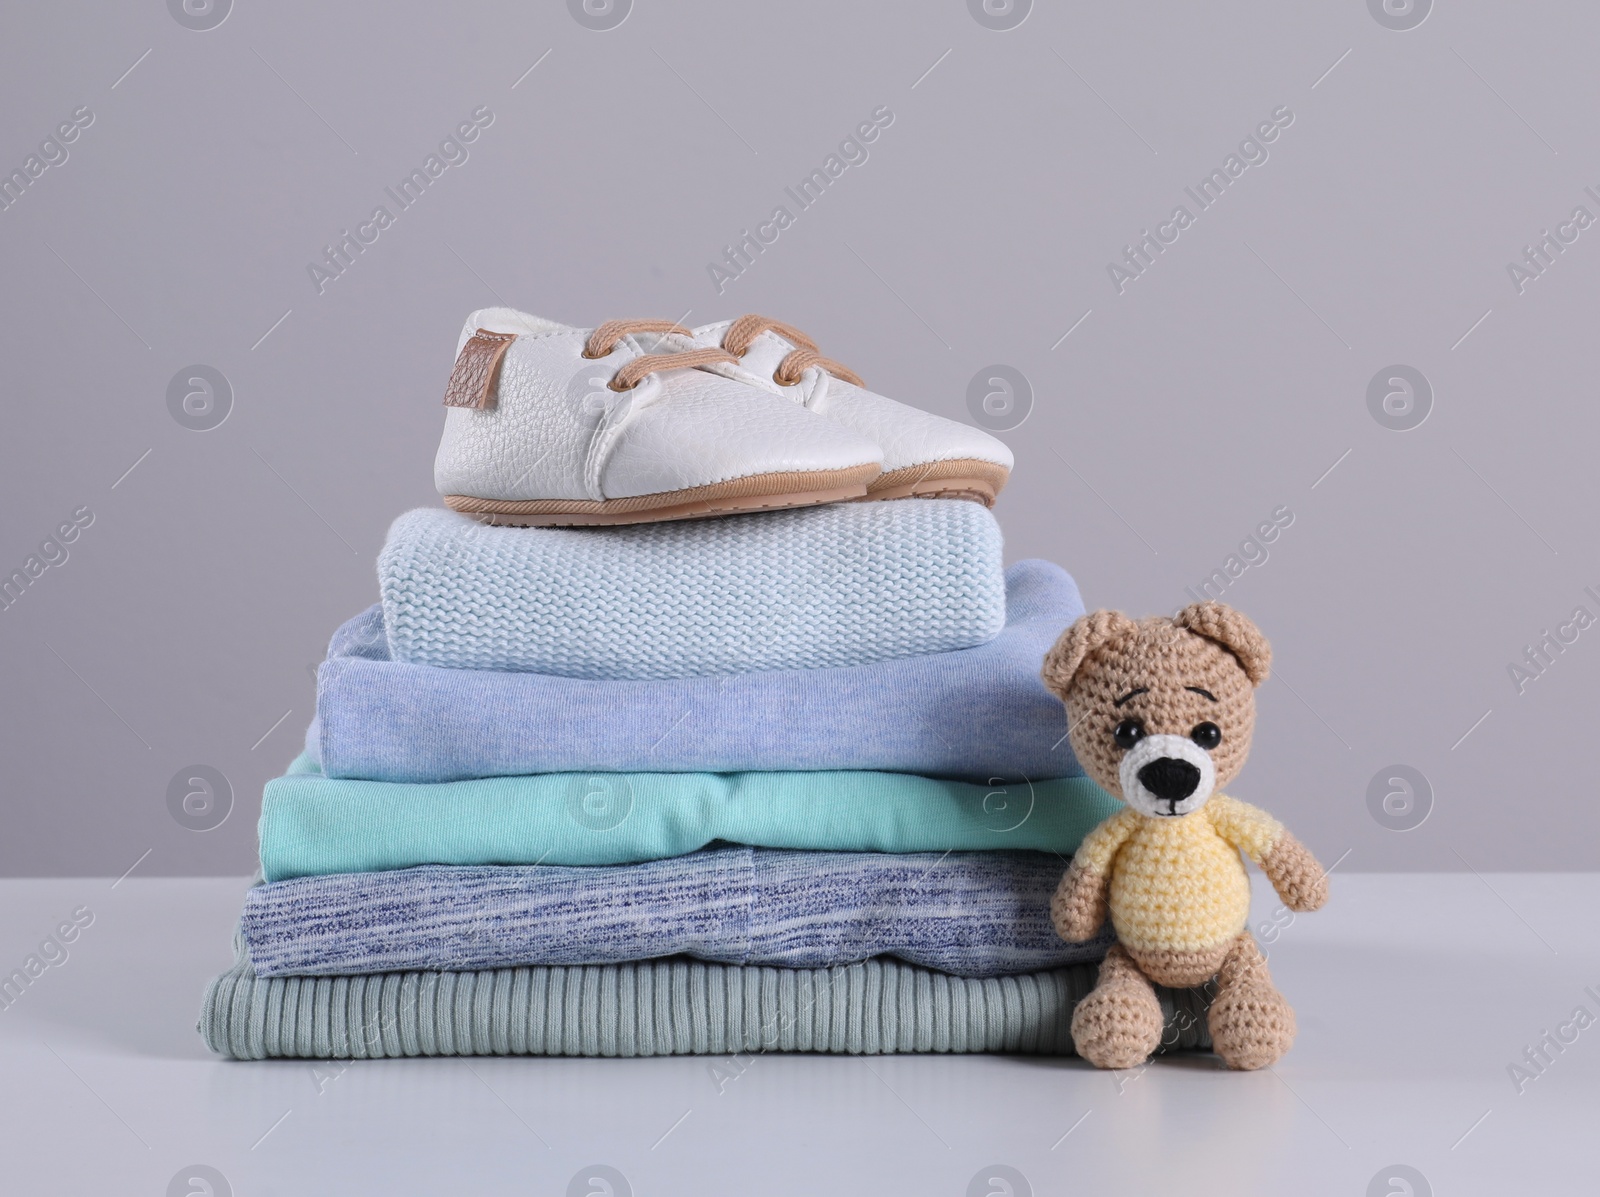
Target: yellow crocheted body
{"points": [[1180, 884]]}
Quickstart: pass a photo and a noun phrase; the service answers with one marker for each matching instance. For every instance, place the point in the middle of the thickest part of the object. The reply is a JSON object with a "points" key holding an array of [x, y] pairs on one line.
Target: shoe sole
{"points": [[758, 492], [966, 478]]}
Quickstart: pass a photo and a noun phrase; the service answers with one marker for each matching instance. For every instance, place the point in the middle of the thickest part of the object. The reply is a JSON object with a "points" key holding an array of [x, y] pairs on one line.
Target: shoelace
{"points": [[604, 339], [742, 333]]}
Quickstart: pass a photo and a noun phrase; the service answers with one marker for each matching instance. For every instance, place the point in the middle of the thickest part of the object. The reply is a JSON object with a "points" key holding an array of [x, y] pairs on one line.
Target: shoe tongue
{"points": [[763, 355], [650, 342]]}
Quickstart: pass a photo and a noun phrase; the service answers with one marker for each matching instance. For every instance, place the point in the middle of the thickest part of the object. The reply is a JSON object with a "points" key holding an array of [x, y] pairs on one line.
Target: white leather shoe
{"points": [[924, 455], [623, 424]]}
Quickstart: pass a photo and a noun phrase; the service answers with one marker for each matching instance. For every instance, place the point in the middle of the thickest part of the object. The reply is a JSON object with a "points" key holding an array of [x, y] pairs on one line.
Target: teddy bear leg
{"points": [[1252, 1024], [1118, 1025]]}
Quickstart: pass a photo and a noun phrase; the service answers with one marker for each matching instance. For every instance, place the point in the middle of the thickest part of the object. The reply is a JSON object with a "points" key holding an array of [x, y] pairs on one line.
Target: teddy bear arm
{"points": [[1301, 882], [1078, 909]]}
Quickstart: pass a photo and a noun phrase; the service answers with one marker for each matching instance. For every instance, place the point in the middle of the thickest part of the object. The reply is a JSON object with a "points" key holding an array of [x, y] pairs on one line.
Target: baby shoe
{"points": [[924, 455], [622, 424]]}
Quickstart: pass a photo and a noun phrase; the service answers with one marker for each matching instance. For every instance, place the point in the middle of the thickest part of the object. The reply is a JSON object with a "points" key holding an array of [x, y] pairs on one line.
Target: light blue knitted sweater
{"points": [[976, 714], [838, 585]]}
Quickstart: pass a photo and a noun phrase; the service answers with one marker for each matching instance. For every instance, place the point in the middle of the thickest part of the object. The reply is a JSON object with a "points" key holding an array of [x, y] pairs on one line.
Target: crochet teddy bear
{"points": [[1160, 713]]}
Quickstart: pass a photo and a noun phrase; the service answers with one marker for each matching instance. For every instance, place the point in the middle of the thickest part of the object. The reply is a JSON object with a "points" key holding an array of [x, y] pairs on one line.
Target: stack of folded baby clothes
{"points": [[779, 781]]}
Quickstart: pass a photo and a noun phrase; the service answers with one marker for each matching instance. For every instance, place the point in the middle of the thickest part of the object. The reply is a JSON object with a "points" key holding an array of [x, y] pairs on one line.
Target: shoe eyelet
{"points": [[612, 386]]}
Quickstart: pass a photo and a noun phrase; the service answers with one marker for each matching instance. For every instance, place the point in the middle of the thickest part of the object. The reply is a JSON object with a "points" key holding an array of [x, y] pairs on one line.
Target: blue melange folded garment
{"points": [[973, 914], [312, 824], [977, 713], [823, 587]]}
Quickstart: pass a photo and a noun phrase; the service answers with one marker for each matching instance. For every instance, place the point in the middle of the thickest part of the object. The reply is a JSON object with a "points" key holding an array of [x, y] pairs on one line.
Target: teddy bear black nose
{"points": [[1170, 778]]}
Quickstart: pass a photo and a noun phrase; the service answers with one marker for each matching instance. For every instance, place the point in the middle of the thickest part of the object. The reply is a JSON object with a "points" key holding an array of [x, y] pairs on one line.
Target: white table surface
{"points": [[1414, 994]]}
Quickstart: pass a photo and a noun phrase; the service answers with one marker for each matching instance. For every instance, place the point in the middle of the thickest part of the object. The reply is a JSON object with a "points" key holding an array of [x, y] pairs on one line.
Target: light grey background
{"points": [[1227, 381]]}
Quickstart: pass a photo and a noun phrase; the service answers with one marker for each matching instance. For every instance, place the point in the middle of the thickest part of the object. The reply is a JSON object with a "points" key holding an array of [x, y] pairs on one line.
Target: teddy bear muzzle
{"points": [[1166, 776]]}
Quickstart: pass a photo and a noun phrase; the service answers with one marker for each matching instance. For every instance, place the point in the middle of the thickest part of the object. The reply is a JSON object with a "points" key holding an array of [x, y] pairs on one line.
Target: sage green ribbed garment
{"points": [[657, 1008]]}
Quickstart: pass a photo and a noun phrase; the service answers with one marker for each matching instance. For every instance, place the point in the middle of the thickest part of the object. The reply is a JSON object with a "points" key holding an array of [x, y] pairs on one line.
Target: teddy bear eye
{"points": [[1128, 733], [1208, 735]]}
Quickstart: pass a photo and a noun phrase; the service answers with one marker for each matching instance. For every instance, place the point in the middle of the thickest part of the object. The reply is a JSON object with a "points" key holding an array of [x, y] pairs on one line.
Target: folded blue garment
{"points": [[977, 713], [816, 588], [312, 824], [973, 914]]}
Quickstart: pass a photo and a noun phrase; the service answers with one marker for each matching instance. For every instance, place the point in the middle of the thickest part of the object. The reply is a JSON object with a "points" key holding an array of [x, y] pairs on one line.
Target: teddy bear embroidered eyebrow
{"points": [[1131, 694], [1202, 691]]}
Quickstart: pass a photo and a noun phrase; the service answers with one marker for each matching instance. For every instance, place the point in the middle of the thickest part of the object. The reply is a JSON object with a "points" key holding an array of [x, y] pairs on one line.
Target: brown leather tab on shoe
{"points": [[477, 367]]}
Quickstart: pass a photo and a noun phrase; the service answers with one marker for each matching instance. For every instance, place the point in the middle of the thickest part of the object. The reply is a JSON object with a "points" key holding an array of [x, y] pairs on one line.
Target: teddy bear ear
{"points": [[1062, 662], [1234, 631]]}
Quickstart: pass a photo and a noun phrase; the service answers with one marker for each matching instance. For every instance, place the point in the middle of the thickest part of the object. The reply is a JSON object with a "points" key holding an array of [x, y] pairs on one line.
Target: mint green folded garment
{"points": [[311, 825]]}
